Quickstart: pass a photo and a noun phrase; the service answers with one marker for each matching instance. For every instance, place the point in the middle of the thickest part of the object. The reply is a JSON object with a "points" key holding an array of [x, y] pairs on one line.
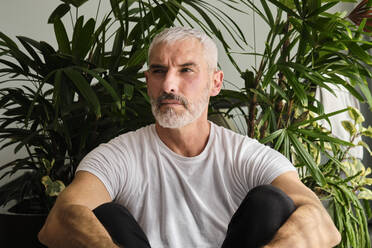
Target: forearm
{"points": [[309, 226], [74, 226]]}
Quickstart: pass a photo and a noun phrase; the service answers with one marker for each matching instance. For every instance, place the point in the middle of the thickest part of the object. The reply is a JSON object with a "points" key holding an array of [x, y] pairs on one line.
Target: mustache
{"points": [[170, 96]]}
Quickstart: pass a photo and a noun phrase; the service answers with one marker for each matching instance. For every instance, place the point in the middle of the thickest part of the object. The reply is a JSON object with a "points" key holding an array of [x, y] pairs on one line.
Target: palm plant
{"points": [[308, 47], [64, 102]]}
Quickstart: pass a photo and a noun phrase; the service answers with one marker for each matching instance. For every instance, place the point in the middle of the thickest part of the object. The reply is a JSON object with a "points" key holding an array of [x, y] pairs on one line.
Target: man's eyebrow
{"points": [[187, 64], [156, 66], [160, 66]]}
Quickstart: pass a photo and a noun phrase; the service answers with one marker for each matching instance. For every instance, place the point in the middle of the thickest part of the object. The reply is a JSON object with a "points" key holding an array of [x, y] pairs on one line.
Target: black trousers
{"points": [[262, 212]]}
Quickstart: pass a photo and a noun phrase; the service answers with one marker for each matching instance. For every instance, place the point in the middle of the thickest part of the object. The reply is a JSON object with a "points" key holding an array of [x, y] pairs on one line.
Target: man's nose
{"points": [[171, 82]]}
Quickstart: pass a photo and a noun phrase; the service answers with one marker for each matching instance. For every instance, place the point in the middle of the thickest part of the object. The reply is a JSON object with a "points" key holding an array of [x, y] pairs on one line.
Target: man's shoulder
{"points": [[236, 143], [143, 132], [225, 133], [127, 142]]}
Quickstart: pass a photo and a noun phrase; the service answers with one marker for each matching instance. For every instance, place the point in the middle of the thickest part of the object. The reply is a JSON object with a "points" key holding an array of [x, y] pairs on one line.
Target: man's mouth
{"points": [[170, 102], [171, 99]]}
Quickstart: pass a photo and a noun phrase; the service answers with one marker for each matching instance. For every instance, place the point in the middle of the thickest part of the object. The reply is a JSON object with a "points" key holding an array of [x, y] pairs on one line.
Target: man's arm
{"points": [[71, 222], [309, 226]]}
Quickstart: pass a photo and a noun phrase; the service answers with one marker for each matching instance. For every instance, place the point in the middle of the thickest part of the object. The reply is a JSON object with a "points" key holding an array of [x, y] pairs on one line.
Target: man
{"points": [[179, 182]]}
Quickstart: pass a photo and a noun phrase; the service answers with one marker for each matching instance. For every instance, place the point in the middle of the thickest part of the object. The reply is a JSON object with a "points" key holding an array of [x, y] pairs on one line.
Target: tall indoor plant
{"points": [[309, 47]]}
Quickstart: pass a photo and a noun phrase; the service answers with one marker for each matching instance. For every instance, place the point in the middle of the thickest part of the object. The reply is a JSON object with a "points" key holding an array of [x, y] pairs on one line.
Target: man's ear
{"points": [[217, 82]]}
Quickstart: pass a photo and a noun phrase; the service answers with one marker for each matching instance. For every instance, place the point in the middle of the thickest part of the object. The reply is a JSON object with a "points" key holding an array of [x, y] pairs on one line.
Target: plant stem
{"points": [[254, 36], [343, 157], [252, 115], [99, 5], [253, 102], [72, 20], [281, 79], [263, 129], [289, 112]]}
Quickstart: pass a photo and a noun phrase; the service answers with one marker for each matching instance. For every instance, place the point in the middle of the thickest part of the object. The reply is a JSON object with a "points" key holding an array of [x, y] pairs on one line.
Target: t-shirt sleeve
{"points": [[261, 164], [108, 162]]}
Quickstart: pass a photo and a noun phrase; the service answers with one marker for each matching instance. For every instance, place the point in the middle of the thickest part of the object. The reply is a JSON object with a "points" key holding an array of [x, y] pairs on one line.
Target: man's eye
{"points": [[158, 71], [186, 70]]}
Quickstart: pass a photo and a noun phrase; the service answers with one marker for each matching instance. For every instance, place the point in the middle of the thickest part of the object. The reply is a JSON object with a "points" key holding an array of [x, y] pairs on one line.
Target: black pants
{"points": [[262, 212]]}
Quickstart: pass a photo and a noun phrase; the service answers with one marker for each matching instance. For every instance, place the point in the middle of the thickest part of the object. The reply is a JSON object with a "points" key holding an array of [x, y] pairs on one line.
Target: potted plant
{"points": [[346, 191], [309, 47], [64, 101]]}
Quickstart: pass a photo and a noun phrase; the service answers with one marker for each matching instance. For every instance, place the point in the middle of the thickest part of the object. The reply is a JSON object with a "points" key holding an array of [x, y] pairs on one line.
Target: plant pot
{"points": [[20, 230]]}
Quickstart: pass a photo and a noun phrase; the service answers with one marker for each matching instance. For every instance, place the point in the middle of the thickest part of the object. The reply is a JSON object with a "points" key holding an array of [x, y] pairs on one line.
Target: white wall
{"points": [[27, 18]]}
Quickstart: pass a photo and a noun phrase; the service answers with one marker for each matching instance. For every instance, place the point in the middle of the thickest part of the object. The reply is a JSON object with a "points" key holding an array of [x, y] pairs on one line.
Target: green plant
{"points": [[307, 47], [63, 102], [346, 190]]}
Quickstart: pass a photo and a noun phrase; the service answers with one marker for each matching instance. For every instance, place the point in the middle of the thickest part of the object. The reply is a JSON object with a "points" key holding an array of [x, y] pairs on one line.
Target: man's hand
{"points": [[71, 223], [310, 226]]}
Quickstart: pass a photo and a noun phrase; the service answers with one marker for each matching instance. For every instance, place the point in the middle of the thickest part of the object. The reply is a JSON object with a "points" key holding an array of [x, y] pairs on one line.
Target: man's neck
{"points": [[187, 141]]}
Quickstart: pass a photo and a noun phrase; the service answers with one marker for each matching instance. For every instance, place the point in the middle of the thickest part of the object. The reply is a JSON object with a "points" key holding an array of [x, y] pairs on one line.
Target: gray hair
{"points": [[174, 34]]}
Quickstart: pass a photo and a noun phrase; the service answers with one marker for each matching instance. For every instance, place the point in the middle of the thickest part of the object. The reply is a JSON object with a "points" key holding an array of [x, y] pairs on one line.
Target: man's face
{"points": [[179, 82]]}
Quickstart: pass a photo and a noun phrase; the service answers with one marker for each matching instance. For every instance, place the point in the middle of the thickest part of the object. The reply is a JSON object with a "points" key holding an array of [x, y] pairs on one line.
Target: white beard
{"points": [[169, 118]]}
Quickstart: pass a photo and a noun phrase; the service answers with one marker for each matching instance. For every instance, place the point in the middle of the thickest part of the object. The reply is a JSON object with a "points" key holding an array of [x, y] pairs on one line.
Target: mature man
{"points": [[185, 182]]}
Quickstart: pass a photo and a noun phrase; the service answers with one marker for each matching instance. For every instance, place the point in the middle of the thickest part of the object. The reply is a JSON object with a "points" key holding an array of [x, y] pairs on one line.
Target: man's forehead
{"points": [[184, 52], [182, 42]]}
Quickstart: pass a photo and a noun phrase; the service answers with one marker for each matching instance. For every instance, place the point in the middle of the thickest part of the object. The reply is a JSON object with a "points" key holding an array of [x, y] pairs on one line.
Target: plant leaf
{"points": [[59, 12], [52, 188], [75, 3], [307, 158], [365, 194], [349, 126], [365, 145], [84, 88], [61, 36], [105, 84], [367, 132], [356, 115]]}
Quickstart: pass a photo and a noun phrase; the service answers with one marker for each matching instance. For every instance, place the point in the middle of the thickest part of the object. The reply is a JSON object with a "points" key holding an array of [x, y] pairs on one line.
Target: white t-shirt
{"points": [[183, 202]]}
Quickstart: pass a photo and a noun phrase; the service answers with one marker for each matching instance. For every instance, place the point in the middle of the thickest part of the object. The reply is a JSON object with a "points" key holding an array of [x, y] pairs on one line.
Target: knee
{"points": [[262, 212], [110, 209], [121, 225], [268, 198], [269, 205]]}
